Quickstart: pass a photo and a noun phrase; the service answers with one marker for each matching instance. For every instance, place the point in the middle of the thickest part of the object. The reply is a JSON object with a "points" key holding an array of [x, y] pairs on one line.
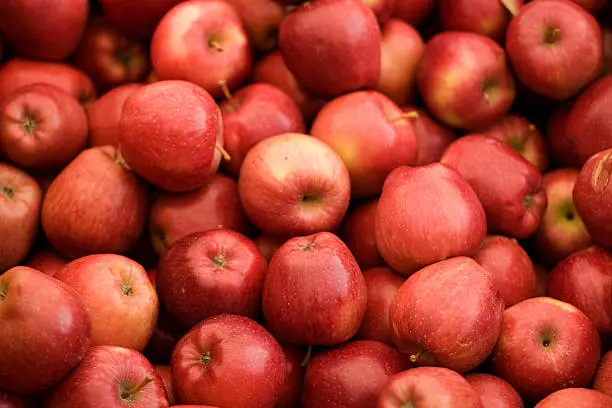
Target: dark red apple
{"points": [[485, 17], [268, 245], [606, 31], [576, 398], [165, 374], [291, 393], [592, 6], [413, 12], [603, 377], [560, 145], [359, 233], [432, 138], [495, 392], [261, 20], [541, 280], [47, 261], [136, 18], [12, 400]]}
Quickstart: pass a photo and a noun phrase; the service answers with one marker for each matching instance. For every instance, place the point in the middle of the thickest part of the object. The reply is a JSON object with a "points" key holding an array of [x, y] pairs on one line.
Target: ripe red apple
{"points": [[12, 400], [95, 205], [429, 387], [495, 392], [413, 12], [576, 398], [546, 344], [45, 330], [560, 145], [202, 42], [432, 138], [294, 184], [174, 148], [465, 81], [351, 375], [136, 18], [110, 377], [485, 17], [254, 113], [20, 201], [555, 47], [261, 20], [268, 245], [314, 292], [359, 234], [41, 127], [47, 261], [291, 393], [324, 43], [427, 214], [229, 361], [603, 377], [165, 374]]}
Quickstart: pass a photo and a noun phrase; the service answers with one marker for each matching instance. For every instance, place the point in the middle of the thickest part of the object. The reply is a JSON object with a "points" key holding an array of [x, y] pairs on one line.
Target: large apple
{"points": [[560, 145], [136, 18], [495, 392], [576, 398], [490, 19], [47, 261], [359, 234], [432, 138], [603, 377], [291, 393], [261, 20]]}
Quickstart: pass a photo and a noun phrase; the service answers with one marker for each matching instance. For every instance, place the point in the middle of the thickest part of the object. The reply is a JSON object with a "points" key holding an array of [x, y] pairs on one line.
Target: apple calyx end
{"points": [[223, 152], [129, 394], [307, 357], [552, 36], [215, 45], [29, 123], [8, 191], [219, 261], [206, 359], [528, 201]]}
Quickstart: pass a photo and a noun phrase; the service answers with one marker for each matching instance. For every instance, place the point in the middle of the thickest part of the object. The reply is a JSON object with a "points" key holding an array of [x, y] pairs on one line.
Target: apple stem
{"points": [[138, 387], [553, 36], [223, 152], [414, 358], [307, 356], [215, 45], [407, 115], [228, 95], [121, 161]]}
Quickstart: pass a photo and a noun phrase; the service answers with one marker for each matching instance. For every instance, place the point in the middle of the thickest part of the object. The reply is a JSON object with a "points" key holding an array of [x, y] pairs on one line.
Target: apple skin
{"points": [[215, 205], [104, 374], [508, 186], [381, 8], [560, 145], [229, 361], [136, 18], [576, 398], [104, 115], [261, 20], [254, 113], [314, 292], [602, 381], [429, 387], [351, 375], [413, 12], [359, 234], [294, 184], [45, 330], [20, 202], [432, 138], [495, 392], [165, 374], [291, 393], [202, 42], [12, 400], [41, 127], [561, 231], [426, 214], [210, 273], [485, 17], [465, 81], [47, 261], [268, 245], [510, 266], [181, 149], [323, 44], [424, 329], [562, 344], [546, 60]]}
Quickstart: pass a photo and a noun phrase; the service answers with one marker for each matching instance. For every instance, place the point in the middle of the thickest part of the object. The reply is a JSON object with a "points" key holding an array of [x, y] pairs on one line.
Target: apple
{"points": [[546, 345], [381, 8], [45, 330], [314, 292], [592, 6], [351, 375], [95, 205], [268, 245], [606, 31], [359, 234], [203, 42], [555, 47], [183, 147], [291, 393], [42, 127], [261, 20], [12, 400], [495, 392], [111, 377], [413, 11], [210, 273], [229, 361], [427, 214], [432, 138], [490, 19], [560, 145], [164, 338], [47, 261], [254, 113], [20, 202], [576, 398], [214, 205], [324, 43], [294, 184], [136, 18], [602, 381], [464, 80], [510, 266], [429, 387], [165, 374]]}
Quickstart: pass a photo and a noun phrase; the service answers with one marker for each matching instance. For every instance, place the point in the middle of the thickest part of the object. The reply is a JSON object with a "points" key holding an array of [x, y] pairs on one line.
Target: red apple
{"points": [[351, 375], [560, 145], [427, 214], [268, 245], [603, 377], [174, 148], [164, 338], [229, 361], [12, 400], [165, 374], [495, 392], [381, 8], [485, 17], [47, 261], [203, 42], [432, 138], [261, 20], [314, 292], [294, 184], [324, 43], [45, 330], [465, 81], [136, 18], [20, 201], [576, 398], [41, 127], [291, 393], [95, 205], [606, 31], [413, 11], [359, 234], [546, 344]]}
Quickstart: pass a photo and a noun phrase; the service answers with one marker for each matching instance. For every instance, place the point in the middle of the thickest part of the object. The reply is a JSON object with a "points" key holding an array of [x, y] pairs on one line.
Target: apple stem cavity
{"points": [[552, 36], [223, 152], [129, 394], [219, 261], [407, 115], [214, 44], [306, 359]]}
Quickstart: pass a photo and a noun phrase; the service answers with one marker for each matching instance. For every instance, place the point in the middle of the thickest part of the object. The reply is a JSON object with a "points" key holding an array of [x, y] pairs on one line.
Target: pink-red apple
{"points": [[47, 261], [576, 398], [261, 20], [432, 138], [485, 17], [359, 233], [495, 392]]}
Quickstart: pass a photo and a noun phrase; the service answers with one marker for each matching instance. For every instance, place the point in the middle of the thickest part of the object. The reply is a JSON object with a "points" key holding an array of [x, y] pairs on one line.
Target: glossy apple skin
{"points": [[261, 20], [45, 330], [351, 375], [106, 372], [485, 17], [41, 127], [95, 205], [165, 374], [244, 365], [427, 214], [136, 18], [576, 398], [432, 137], [294, 184], [254, 113], [495, 392], [560, 145], [20, 202], [562, 344], [508, 186], [552, 69], [314, 292], [202, 42], [465, 81], [359, 234], [179, 151], [12, 400], [323, 44], [291, 393], [429, 387], [210, 273], [47, 261], [602, 381], [413, 12]]}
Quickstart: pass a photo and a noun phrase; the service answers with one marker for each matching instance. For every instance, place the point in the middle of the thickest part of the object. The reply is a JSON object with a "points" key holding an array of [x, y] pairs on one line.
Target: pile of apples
{"points": [[321, 204]]}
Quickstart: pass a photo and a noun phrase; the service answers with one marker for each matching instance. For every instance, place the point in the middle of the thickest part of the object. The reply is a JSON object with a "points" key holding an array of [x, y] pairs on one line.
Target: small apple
{"points": [[576, 397], [432, 138], [291, 393], [560, 145], [359, 233], [136, 18], [495, 392], [491, 19], [603, 377], [47, 261], [413, 12]]}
